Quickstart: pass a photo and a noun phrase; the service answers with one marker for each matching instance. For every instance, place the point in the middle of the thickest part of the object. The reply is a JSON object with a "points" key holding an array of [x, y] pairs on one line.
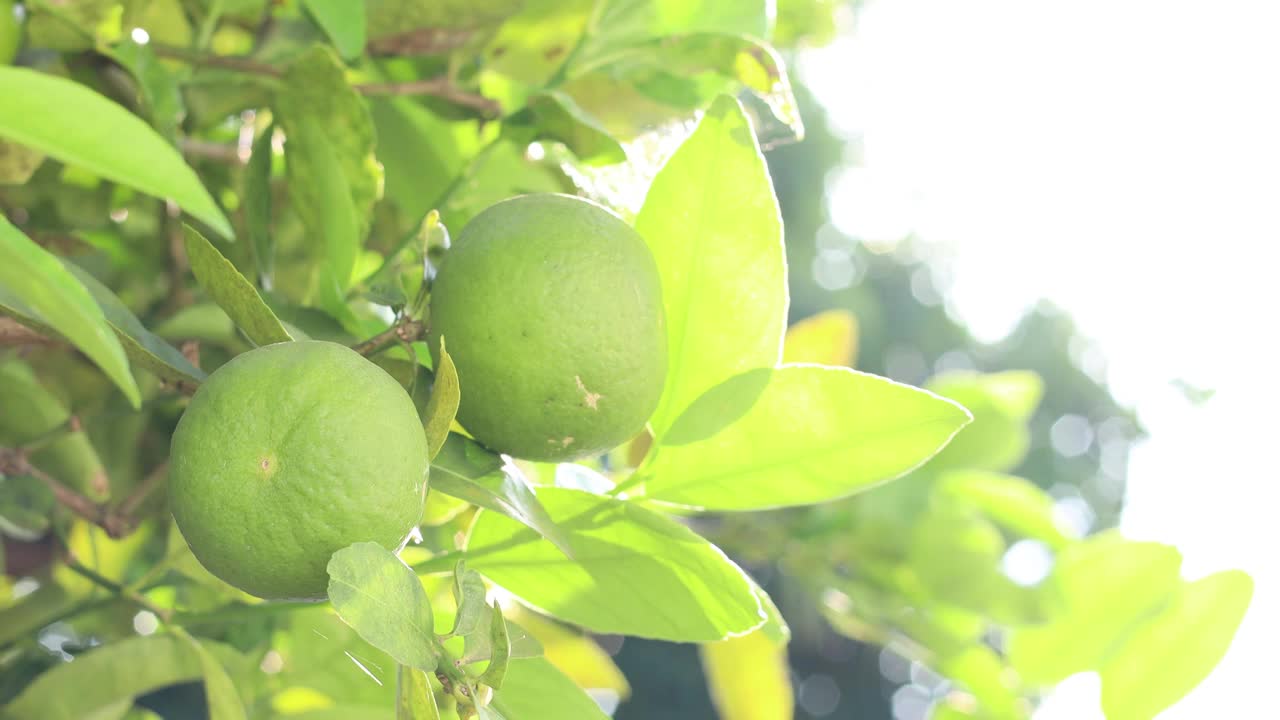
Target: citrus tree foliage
{"points": [[184, 181]]}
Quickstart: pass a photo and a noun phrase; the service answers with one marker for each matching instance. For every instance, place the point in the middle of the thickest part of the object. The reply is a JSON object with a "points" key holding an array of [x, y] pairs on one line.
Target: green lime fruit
{"points": [[551, 308], [289, 453]]}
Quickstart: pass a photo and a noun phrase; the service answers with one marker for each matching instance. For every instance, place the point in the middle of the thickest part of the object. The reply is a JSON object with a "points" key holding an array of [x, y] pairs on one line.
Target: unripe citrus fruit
{"points": [[289, 453], [551, 309]]}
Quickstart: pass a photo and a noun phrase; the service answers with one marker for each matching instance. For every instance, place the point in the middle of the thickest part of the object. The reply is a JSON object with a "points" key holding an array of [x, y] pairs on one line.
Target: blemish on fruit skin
{"points": [[267, 466], [563, 442], [591, 399]]}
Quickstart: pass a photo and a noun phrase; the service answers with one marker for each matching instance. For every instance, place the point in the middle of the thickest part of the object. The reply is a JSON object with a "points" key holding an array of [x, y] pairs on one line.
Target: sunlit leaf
{"points": [[499, 650], [816, 433], [621, 24], [382, 599], [468, 472], [1106, 584], [748, 677], [47, 113], [556, 116], [635, 572], [141, 345], [535, 690], [574, 653], [35, 285], [1168, 656], [343, 21], [712, 221], [443, 403], [1001, 403], [232, 292], [1013, 503], [827, 338]]}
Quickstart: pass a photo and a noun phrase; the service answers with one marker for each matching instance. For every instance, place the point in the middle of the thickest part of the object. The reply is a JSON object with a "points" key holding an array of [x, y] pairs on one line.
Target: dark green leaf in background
{"points": [[47, 112], [232, 292], [381, 598], [634, 572], [343, 21], [34, 285]]}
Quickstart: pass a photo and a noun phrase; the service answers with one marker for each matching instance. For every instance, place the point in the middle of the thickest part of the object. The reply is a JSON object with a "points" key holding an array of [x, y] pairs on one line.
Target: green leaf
{"points": [[428, 154], [748, 677], [25, 506], [556, 116], [141, 345], [257, 204], [635, 572], [105, 676], [1013, 503], [329, 144], [343, 21], [980, 671], [621, 24], [80, 127], [499, 650], [157, 87], [467, 471], [18, 163], [28, 410], [35, 285], [712, 221], [1001, 403], [378, 595], [535, 690], [442, 406], [220, 692], [469, 596], [414, 698], [815, 434], [1106, 585], [232, 292], [1168, 656]]}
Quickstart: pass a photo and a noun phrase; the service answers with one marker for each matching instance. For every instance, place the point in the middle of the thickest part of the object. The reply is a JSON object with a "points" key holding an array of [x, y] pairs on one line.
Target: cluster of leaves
{"points": [[327, 145]]}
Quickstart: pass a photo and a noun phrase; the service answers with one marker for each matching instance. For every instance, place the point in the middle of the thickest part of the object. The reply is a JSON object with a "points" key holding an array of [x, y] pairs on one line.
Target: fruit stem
{"points": [[406, 330]]}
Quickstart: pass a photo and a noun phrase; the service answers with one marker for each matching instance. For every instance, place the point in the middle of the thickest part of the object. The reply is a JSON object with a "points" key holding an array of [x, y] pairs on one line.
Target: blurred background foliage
{"points": [[922, 597]]}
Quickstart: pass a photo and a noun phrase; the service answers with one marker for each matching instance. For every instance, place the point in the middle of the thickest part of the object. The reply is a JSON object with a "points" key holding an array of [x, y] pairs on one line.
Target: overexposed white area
{"points": [[1121, 158]]}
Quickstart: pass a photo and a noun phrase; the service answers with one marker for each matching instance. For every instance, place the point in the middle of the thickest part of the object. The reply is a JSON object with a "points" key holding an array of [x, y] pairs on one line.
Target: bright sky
{"points": [[1122, 158]]}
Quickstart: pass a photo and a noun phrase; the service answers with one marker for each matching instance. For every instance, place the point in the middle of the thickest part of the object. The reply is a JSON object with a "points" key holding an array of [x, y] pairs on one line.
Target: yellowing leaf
{"points": [[828, 338], [748, 678]]}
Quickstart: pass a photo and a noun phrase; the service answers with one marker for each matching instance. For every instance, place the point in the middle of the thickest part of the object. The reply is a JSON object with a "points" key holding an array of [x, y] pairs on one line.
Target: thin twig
{"points": [[144, 488], [117, 525], [222, 152], [225, 62], [127, 593], [405, 330], [440, 87]]}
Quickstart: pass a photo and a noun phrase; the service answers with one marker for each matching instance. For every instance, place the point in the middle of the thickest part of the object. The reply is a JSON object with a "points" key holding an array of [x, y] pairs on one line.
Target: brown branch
{"points": [[440, 87], [15, 334], [144, 488], [117, 525], [221, 152], [224, 62], [405, 330]]}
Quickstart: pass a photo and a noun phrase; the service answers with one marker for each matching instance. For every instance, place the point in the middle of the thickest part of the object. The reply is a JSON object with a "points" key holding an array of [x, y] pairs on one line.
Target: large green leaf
{"points": [[35, 286], [468, 472], [815, 433], [421, 152], [328, 132], [80, 127], [635, 572], [381, 598], [343, 21], [232, 292], [1105, 584], [712, 221], [1167, 657], [141, 345], [106, 675], [1001, 403], [535, 690]]}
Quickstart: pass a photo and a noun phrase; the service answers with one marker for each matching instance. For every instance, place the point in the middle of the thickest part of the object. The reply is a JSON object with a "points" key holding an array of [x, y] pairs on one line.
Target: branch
{"points": [[225, 62], [117, 525], [127, 593], [15, 334], [439, 87], [405, 330], [143, 489]]}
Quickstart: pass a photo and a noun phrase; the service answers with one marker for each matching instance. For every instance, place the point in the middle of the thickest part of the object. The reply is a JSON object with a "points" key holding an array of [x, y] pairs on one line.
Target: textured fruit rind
{"points": [[289, 453], [551, 307]]}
